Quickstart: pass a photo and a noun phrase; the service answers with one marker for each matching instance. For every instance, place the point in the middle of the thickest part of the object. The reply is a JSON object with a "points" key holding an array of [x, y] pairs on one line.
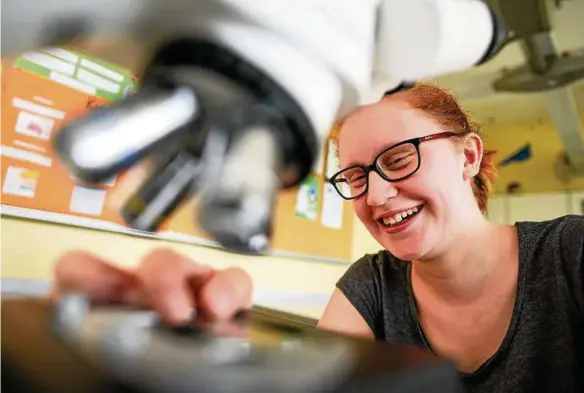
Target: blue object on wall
{"points": [[521, 155]]}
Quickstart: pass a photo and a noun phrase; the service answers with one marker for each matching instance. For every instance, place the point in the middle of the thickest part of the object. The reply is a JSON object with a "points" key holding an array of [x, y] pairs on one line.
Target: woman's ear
{"points": [[473, 155]]}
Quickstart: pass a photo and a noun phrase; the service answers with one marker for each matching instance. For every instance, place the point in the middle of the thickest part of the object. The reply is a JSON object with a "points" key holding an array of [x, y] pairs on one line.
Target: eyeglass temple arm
{"points": [[436, 136]]}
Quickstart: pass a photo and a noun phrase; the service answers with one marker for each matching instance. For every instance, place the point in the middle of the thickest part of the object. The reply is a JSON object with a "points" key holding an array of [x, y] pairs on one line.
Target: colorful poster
{"points": [[41, 91], [307, 199]]}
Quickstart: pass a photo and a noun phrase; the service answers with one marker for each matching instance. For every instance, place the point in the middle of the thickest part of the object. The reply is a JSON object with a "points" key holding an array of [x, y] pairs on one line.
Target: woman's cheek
{"points": [[362, 211]]}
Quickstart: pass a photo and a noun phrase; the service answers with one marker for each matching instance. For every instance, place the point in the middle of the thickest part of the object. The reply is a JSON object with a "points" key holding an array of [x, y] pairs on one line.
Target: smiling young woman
{"points": [[505, 302]]}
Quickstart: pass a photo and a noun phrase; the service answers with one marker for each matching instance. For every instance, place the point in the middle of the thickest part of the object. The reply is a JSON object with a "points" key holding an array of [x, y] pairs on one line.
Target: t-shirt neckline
{"points": [[515, 317]]}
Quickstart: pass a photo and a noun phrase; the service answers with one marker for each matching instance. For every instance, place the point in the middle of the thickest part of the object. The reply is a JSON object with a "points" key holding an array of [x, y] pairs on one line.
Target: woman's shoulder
{"points": [[554, 248], [556, 223], [559, 239], [573, 227], [379, 273], [565, 231], [377, 286]]}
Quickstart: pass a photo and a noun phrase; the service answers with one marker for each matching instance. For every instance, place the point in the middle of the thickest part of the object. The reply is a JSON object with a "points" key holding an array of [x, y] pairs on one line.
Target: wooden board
{"points": [[35, 104]]}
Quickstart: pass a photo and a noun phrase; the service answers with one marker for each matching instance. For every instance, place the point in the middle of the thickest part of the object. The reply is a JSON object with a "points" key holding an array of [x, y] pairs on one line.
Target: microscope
{"points": [[235, 97]]}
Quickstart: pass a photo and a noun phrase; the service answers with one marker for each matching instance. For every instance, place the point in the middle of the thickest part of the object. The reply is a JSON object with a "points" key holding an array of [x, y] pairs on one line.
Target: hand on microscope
{"points": [[171, 284]]}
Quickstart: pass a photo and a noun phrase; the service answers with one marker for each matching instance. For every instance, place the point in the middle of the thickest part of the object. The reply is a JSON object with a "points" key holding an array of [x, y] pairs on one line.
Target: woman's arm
{"points": [[354, 307], [342, 317]]}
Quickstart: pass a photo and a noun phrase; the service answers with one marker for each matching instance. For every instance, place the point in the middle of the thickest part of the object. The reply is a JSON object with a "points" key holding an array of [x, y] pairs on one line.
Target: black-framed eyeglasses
{"points": [[395, 163]]}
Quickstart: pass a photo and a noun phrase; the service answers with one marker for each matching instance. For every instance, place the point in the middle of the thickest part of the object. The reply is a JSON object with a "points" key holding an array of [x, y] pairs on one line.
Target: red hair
{"points": [[447, 111]]}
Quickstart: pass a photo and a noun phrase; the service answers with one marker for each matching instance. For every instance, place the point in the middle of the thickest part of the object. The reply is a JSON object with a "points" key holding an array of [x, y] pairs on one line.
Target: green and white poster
{"points": [[79, 71]]}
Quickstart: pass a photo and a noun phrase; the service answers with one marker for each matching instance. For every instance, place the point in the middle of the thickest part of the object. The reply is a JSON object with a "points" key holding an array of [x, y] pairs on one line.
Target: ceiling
{"points": [[473, 86], [508, 109]]}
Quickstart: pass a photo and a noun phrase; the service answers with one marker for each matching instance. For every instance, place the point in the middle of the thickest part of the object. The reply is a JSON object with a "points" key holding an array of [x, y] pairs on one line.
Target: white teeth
{"points": [[399, 217]]}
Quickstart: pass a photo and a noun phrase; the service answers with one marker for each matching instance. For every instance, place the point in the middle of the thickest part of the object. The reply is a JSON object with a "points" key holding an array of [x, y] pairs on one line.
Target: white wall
{"points": [[535, 207], [30, 248]]}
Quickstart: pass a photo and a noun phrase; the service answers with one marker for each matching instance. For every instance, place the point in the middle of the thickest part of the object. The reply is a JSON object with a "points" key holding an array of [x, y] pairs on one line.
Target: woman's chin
{"points": [[406, 255], [407, 249], [410, 245]]}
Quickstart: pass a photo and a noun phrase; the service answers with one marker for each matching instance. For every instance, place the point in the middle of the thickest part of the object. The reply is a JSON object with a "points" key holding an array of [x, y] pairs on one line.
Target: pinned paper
{"points": [[20, 182], [332, 208], [34, 125], [87, 200], [307, 199]]}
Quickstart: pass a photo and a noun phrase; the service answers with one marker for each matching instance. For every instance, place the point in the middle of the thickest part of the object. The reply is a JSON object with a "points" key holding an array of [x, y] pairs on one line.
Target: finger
{"points": [[227, 292], [83, 272], [169, 279]]}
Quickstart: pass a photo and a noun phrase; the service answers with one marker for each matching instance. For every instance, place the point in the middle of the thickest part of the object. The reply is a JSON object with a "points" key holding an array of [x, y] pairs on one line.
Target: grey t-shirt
{"points": [[543, 350]]}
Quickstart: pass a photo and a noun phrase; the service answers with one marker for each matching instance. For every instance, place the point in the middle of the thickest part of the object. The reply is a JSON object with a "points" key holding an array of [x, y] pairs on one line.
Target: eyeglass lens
{"points": [[394, 164]]}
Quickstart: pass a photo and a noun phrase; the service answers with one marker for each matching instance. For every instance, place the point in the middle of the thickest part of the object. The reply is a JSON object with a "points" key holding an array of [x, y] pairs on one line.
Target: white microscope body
{"points": [[233, 75]]}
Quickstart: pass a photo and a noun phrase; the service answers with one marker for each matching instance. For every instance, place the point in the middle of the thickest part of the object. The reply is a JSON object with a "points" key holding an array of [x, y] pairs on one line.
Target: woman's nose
{"points": [[379, 190]]}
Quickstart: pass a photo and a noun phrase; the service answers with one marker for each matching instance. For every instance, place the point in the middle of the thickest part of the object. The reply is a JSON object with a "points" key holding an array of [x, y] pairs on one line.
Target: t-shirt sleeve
{"points": [[572, 244], [361, 285]]}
